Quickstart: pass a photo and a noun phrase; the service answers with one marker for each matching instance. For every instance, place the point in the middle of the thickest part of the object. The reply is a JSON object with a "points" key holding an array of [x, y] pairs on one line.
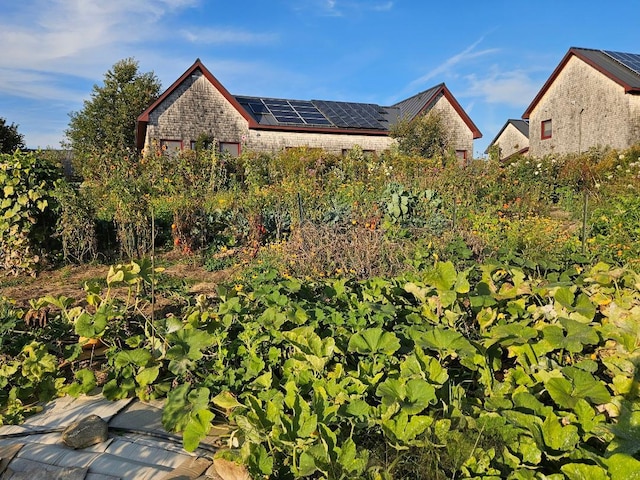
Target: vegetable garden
{"points": [[382, 316]]}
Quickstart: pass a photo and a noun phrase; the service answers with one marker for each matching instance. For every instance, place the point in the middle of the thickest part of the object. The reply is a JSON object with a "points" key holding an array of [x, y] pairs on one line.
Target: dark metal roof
{"points": [[622, 66], [412, 106]]}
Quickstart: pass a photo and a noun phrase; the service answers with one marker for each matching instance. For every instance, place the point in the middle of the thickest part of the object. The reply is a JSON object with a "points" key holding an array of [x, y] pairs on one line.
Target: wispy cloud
{"points": [[340, 8], [514, 88], [223, 35], [449, 65]]}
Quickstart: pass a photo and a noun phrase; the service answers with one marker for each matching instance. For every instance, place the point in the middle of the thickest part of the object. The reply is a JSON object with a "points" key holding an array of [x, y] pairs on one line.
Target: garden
{"points": [[374, 316]]}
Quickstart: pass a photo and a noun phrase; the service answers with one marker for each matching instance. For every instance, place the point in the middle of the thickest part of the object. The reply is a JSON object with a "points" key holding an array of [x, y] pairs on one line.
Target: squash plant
{"points": [[491, 372]]}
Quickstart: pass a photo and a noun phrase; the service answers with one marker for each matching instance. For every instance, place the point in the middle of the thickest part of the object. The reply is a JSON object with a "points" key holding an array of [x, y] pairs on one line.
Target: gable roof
{"points": [[423, 101], [143, 118], [264, 113], [622, 68], [521, 125]]}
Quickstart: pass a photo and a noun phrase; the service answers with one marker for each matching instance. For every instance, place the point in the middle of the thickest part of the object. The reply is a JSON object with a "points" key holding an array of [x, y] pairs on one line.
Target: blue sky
{"points": [[493, 55]]}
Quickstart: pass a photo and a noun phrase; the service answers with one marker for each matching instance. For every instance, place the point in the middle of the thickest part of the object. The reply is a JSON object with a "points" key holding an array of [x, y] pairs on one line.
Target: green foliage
{"points": [[485, 372], [26, 203], [107, 121], [10, 139], [427, 136]]}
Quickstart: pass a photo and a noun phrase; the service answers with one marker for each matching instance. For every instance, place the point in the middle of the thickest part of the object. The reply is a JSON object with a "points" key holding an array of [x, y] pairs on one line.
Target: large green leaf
{"points": [[446, 341], [412, 396], [578, 335], [558, 437], [91, 326], [183, 402], [404, 429], [623, 467], [583, 471], [374, 340], [197, 428]]}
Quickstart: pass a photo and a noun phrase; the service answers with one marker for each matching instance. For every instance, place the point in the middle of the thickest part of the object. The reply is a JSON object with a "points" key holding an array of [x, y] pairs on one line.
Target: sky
{"points": [[494, 56]]}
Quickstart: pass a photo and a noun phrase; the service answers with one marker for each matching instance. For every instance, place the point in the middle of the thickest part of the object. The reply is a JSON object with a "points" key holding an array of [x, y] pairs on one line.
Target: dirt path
{"points": [[70, 280]]}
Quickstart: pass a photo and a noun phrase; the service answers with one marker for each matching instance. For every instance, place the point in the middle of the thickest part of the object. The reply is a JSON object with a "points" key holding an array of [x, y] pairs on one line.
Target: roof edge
{"points": [[143, 118], [575, 51]]}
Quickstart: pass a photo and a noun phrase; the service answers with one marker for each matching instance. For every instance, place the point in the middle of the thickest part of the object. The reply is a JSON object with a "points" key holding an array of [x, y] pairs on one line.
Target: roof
{"points": [[423, 101], [622, 68], [521, 125], [314, 115], [138, 446]]}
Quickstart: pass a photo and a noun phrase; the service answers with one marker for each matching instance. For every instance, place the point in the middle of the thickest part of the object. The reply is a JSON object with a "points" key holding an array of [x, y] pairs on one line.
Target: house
{"points": [[512, 139], [591, 99], [198, 105]]}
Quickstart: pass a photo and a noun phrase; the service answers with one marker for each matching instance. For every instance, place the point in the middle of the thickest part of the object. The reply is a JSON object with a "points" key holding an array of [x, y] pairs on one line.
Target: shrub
{"points": [[26, 211]]}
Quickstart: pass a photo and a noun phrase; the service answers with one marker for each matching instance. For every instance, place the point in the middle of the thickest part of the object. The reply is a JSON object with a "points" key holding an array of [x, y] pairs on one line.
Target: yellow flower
{"points": [[238, 287]]}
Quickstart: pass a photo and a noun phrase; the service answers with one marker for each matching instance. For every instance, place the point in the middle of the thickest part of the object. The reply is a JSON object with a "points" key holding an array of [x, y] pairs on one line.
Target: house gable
{"points": [[591, 99], [513, 138]]}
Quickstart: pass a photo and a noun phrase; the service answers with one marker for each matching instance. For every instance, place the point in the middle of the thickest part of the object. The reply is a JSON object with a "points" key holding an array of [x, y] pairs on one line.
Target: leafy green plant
{"points": [[26, 202]]}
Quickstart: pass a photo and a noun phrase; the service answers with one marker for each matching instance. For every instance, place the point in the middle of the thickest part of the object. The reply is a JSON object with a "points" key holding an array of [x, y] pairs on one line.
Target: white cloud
{"points": [[447, 67], [342, 8], [223, 35], [513, 88]]}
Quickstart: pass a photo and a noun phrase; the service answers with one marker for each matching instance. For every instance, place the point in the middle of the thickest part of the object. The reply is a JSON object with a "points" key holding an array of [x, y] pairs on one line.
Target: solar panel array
{"points": [[629, 60], [350, 115], [286, 112], [315, 113]]}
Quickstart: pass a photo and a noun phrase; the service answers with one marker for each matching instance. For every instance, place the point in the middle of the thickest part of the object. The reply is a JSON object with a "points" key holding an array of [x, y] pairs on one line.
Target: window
{"points": [[461, 154], [232, 148], [545, 130], [171, 147]]}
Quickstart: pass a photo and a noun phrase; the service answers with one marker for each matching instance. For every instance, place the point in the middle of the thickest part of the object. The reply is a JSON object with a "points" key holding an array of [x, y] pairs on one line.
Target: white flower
{"points": [[621, 156]]}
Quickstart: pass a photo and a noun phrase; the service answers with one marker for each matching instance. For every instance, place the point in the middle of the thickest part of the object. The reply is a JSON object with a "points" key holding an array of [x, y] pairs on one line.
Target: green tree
{"points": [[10, 139], [107, 121], [426, 136]]}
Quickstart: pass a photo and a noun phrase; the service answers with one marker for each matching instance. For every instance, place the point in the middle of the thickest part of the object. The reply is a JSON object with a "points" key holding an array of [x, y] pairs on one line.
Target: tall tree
{"points": [[10, 139], [107, 121]]}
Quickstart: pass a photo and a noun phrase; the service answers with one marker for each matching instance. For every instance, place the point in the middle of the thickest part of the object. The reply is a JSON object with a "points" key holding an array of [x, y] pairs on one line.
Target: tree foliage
{"points": [[107, 121], [427, 135], [10, 139]]}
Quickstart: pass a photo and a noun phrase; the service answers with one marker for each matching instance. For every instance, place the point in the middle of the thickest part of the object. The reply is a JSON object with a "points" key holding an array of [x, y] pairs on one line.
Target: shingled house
{"points": [[512, 139], [198, 104], [591, 99]]}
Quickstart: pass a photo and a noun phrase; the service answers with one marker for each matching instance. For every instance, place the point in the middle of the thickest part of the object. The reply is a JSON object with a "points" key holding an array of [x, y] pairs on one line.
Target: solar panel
{"points": [[629, 60], [352, 115], [259, 108], [286, 112]]}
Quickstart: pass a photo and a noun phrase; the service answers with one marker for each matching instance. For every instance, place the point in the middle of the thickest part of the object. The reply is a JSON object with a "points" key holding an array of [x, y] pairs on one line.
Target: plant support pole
{"points": [[585, 199]]}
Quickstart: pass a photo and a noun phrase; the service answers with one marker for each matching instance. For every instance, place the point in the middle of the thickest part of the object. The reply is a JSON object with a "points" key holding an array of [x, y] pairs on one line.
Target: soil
{"points": [[70, 280]]}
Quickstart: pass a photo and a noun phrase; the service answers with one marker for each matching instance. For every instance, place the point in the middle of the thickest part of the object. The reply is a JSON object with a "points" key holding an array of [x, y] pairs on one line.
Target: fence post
{"points": [[300, 211]]}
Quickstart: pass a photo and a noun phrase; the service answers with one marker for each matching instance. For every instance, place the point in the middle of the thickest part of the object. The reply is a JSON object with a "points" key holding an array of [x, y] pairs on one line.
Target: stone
{"points": [[223, 469], [86, 432]]}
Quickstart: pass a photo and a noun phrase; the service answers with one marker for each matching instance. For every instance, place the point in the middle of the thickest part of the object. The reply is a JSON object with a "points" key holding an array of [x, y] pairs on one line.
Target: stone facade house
{"points": [[512, 139], [197, 105], [591, 99]]}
